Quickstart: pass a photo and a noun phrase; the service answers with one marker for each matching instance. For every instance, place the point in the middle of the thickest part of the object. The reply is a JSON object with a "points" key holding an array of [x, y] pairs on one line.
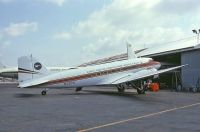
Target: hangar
{"points": [[180, 52]]}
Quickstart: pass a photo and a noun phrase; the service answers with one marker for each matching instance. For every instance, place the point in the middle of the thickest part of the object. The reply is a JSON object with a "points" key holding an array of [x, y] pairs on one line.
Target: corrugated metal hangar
{"points": [[180, 52]]}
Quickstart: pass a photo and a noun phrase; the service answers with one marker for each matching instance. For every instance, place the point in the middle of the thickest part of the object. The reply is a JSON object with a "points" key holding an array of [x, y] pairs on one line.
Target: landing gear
{"points": [[78, 89], [141, 89], [44, 92], [121, 88]]}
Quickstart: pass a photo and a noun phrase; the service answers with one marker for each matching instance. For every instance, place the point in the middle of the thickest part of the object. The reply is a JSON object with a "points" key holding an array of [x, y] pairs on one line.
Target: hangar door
{"points": [[191, 74], [167, 80]]}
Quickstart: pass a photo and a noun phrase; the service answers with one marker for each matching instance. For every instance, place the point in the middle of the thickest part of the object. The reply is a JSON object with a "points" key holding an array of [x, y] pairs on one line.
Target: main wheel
{"points": [[44, 92], [140, 91], [121, 88], [78, 89]]}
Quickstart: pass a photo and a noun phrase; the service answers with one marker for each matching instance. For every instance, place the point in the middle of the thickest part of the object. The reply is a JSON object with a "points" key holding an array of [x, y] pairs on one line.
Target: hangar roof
{"points": [[172, 47], [156, 50]]}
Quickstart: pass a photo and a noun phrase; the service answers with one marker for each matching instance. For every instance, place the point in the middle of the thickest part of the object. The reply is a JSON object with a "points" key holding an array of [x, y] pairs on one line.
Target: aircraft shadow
{"points": [[115, 93], [32, 95], [25, 95], [130, 95]]}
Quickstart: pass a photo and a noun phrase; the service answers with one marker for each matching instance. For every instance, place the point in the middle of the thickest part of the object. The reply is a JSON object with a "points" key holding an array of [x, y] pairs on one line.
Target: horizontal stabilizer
{"points": [[32, 83]]}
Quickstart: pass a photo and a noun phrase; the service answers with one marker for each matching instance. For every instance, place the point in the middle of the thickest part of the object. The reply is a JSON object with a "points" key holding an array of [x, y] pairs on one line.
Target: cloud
{"points": [[62, 36], [5, 1], [57, 2], [1, 36], [140, 22], [19, 29], [178, 6], [6, 44]]}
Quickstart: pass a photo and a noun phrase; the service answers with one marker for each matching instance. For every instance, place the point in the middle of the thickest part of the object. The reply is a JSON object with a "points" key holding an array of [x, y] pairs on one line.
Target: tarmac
{"points": [[97, 109]]}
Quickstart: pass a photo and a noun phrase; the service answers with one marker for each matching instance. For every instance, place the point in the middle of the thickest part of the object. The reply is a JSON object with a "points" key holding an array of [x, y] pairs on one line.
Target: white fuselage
{"points": [[99, 74]]}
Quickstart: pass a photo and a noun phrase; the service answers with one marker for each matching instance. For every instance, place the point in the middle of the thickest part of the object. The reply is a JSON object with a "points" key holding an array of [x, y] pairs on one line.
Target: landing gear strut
{"points": [[120, 88], [140, 90], [78, 89]]}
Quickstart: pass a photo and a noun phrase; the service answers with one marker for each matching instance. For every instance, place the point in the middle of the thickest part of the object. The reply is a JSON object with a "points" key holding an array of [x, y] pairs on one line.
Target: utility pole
{"points": [[197, 32]]}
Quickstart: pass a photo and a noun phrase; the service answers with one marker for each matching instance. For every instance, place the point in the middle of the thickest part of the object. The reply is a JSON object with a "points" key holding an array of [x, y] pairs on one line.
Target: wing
{"points": [[139, 75]]}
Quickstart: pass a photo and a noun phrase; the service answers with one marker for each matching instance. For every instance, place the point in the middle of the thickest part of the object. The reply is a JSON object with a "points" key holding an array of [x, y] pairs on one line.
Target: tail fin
{"points": [[29, 68], [130, 51]]}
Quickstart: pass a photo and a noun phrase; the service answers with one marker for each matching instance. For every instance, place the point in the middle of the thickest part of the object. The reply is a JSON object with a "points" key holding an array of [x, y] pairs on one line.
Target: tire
{"points": [[140, 91], [120, 90], [43, 92], [78, 89]]}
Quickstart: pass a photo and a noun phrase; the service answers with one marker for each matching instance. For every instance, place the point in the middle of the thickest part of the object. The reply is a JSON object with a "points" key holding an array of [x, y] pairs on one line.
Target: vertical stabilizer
{"points": [[130, 51], [29, 68]]}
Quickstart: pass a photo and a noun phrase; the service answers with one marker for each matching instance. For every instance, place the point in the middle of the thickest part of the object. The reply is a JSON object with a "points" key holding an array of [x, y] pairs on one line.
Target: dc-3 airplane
{"points": [[32, 73]]}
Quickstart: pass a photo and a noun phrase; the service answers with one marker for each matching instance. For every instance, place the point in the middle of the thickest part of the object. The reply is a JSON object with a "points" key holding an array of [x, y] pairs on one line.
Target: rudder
{"points": [[130, 51], [30, 68]]}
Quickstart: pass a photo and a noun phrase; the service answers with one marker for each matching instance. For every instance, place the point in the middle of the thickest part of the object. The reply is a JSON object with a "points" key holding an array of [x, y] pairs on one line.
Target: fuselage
{"points": [[99, 74]]}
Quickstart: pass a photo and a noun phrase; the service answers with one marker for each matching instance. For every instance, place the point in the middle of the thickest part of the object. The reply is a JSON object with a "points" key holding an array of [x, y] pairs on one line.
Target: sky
{"points": [[71, 32]]}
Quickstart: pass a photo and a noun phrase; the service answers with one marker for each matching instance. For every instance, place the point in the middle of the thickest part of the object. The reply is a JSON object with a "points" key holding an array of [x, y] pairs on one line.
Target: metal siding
{"points": [[191, 73], [169, 47]]}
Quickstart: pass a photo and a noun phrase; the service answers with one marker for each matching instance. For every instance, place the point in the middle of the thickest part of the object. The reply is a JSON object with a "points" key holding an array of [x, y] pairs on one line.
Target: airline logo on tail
{"points": [[37, 66]]}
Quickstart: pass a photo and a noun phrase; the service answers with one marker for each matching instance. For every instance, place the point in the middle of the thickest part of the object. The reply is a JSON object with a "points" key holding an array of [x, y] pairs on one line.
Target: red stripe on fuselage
{"points": [[101, 73]]}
